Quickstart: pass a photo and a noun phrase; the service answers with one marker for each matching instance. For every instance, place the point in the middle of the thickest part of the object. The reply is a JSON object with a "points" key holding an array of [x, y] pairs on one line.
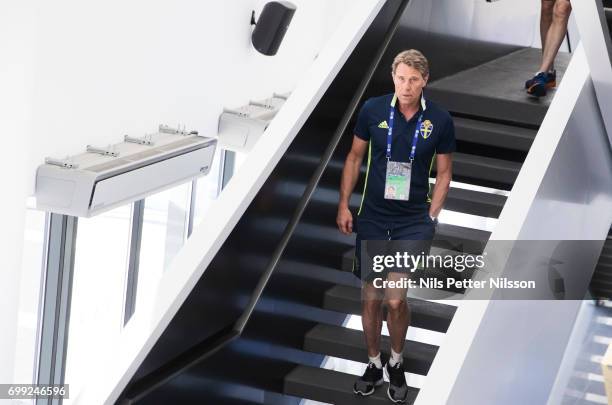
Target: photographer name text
{"points": [[500, 282]]}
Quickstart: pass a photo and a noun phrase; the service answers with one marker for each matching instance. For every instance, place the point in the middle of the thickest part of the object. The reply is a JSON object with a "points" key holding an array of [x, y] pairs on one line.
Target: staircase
{"points": [[302, 315]]}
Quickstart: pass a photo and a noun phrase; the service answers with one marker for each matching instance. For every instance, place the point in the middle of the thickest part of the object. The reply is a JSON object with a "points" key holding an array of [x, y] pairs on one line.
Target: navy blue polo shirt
{"points": [[372, 126]]}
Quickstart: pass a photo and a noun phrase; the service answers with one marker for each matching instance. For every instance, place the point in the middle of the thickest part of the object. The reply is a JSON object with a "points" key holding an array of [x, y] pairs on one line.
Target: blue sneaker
{"points": [[540, 83]]}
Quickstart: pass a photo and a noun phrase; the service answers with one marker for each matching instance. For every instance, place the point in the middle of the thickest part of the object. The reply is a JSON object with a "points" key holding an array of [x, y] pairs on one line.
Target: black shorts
{"points": [[416, 231]]}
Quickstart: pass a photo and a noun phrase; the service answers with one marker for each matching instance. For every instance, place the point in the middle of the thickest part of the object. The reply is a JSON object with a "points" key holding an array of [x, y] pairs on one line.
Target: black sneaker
{"points": [[398, 390], [372, 378]]}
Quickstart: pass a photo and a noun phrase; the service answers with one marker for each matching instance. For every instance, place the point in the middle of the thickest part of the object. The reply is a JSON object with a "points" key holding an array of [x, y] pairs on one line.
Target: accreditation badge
{"points": [[397, 180]]}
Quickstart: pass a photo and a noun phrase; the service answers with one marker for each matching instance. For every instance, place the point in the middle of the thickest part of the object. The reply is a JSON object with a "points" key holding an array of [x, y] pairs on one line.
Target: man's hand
{"points": [[350, 173], [345, 220], [444, 169]]}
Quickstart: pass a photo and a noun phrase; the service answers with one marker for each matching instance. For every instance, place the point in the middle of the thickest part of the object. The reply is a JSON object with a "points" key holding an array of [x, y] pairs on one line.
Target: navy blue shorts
{"points": [[419, 228]]}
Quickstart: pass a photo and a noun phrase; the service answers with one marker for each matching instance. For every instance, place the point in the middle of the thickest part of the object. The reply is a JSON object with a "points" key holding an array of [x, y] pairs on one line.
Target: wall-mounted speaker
{"points": [[272, 25]]}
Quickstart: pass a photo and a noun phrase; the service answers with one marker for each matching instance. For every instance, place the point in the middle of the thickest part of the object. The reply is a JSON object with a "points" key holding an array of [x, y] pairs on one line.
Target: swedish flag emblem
{"points": [[383, 125], [426, 129]]}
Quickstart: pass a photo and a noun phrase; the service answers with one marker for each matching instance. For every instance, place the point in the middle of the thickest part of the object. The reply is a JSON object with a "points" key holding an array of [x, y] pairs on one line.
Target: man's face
{"points": [[408, 83]]}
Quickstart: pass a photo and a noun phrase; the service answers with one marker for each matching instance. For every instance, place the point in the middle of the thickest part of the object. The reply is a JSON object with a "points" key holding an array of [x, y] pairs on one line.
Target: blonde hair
{"points": [[412, 58]]}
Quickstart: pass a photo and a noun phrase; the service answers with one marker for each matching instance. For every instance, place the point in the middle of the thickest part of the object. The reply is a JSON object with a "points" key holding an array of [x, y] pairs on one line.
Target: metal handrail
{"points": [[220, 339]]}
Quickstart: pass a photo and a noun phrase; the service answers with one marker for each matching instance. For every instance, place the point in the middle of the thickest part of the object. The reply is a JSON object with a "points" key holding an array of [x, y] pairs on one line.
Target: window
{"points": [[29, 293], [208, 188], [97, 289], [102, 255], [163, 234]]}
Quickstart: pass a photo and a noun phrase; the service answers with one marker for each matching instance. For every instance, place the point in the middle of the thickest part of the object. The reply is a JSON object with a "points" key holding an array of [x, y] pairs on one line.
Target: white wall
{"points": [[515, 22], [15, 64], [115, 67], [75, 73]]}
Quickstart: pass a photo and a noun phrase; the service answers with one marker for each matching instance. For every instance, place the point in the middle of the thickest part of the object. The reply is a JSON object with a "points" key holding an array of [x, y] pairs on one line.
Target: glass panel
{"points": [[97, 290], [29, 296], [240, 159], [208, 189], [163, 234]]}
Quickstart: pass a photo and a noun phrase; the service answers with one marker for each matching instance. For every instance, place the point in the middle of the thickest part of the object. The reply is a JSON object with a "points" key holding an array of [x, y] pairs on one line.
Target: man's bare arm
{"points": [[444, 165], [350, 175]]}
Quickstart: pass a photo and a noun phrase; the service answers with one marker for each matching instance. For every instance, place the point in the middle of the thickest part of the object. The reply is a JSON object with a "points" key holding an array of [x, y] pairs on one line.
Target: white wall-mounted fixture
{"points": [[240, 128], [103, 178]]}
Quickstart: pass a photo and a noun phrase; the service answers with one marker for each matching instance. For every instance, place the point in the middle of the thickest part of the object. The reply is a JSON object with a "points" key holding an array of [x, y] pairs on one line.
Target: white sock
{"points": [[376, 361], [395, 358]]}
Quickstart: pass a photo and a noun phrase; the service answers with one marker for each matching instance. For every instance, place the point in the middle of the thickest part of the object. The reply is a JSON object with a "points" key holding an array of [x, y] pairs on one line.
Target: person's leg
{"points": [[556, 33], [372, 317], [371, 297], [546, 78], [398, 319], [546, 17], [413, 236], [398, 313]]}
